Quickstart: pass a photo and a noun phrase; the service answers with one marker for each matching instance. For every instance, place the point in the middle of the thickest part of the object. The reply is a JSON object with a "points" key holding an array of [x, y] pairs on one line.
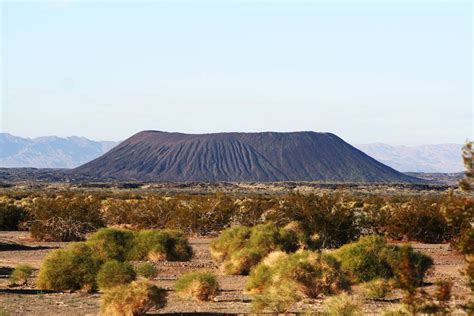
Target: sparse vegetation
{"points": [[135, 298], [20, 274], [376, 289], [65, 218], [282, 279], [342, 305], [200, 286]]}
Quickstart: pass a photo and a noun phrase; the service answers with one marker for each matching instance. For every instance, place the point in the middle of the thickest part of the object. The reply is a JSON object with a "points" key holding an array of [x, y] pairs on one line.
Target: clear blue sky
{"points": [[398, 72]]}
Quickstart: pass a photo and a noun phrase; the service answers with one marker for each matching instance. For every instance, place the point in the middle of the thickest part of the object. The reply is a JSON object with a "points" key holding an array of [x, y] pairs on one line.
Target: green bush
{"points": [[366, 259], [111, 243], [376, 289], [370, 258], [74, 268], [135, 298], [342, 305], [113, 273], [20, 274], [146, 270], [241, 248], [11, 216], [228, 242], [282, 279], [200, 286], [158, 245]]}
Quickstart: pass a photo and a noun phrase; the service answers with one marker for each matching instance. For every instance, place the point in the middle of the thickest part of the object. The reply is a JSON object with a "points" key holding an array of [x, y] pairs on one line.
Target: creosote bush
{"points": [[370, 258], [74, 268], [20, 274], [11, 215], [342, 305], [65, 218], [200, 286], [113, 273], [146, 270], [282, 279], [239, 249], [135, 298]]}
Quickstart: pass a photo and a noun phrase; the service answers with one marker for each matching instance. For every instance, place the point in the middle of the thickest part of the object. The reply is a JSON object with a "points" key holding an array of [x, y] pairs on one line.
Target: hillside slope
{"points": [[445, 158], [269, 156], [49, 152]]}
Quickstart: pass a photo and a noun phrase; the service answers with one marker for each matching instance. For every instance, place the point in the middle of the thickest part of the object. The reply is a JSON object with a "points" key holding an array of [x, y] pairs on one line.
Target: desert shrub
{"points": [[65, 218], [241, 248], [20, 274], [159, 245], [371, 258], [376, 289], [203, 215], [228, 242], [282, 279], [135, 298], [200, 286], [342, 305], [111, 243], [74, 268], [366, 259], [11, 216], [409, 268], [241, 261], [146, 270], [113, 273], [417, 219], [330, 219]]}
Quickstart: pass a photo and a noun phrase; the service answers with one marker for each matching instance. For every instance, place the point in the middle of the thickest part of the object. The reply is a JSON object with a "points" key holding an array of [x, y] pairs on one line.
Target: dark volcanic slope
{"points": [[299, 156]]}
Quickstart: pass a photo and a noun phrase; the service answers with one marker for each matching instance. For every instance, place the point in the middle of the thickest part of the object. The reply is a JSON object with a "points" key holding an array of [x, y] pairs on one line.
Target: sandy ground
{"points": [[28, 301]]}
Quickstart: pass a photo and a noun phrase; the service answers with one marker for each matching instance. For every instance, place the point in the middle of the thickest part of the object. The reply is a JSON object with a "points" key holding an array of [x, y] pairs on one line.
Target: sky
{"points": [[392, 72]]}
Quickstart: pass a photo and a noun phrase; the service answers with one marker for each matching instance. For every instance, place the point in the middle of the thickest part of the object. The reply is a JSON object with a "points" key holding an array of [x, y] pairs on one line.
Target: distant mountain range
{"points": [[49, 152], [71, 152], [235, 157], [444, 158]]}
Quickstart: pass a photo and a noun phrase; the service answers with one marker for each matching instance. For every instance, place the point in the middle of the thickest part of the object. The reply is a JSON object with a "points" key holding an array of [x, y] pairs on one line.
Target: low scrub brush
{"points": [[146, 270], [342, 305], [281, 279], [200, 286], [20, 274], [113, 273], [74, 268], [135, 298]]}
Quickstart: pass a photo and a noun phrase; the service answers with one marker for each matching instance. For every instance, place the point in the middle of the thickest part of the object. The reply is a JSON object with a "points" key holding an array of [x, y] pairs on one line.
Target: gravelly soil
{"points": [[28, 301]]}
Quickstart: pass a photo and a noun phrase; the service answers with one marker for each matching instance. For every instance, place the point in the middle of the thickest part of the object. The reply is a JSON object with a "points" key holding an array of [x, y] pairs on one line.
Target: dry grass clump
{"points": [[20, 274], [371, 258], [376, 289], [135, 298], [282, 279], [342, 305], [239, 249], [74, 268], [200, 286], [113, 273]]}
